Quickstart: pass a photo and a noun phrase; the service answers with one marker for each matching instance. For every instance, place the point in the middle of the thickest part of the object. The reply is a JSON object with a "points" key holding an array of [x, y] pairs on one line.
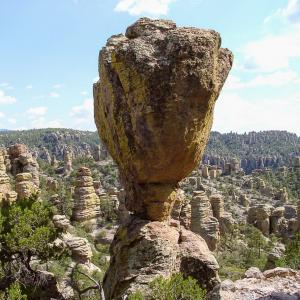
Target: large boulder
{"points": [[154, 106]]}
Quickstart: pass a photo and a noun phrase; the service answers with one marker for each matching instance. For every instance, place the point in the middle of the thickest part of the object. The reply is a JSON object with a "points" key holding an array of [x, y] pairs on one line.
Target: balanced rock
{"points": [[86, 202], [153, 109]]}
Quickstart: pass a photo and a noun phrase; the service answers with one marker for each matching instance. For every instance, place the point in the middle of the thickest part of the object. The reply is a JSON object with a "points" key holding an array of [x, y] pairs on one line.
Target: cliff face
{"points": [[154, 110]]}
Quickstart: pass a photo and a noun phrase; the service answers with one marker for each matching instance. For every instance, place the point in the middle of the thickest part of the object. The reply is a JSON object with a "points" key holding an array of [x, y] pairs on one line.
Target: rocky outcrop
{"points": [[244, 200], [277, 221], [259, 216], [80, 248], [6, 193], [275, 284], [154, 110], [22, 161], [142, 250], [61, 222], [217, 204], [25, 187], [51, 184], [282, 195], [202, 220], [182, 209], [86, 202]]}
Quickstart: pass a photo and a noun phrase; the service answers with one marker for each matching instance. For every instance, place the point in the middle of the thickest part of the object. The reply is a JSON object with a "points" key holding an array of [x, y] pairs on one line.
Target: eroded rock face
{"points": [[6, 193], [25, 187], [143, 250], [203, 221], [154, 106], [154, 110], [22, 161]]}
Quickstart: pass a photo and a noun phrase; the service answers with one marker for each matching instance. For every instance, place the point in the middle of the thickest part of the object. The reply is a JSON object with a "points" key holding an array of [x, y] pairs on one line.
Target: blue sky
{"points": [[49, 57]]}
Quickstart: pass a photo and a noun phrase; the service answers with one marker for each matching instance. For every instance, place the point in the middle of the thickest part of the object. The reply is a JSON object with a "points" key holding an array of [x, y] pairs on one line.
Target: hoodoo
{"points": [[154, 107]]}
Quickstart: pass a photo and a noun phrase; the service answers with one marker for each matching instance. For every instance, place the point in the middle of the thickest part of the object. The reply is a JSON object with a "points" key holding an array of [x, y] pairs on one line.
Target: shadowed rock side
{"points": [[154, 106], [153, 110]]}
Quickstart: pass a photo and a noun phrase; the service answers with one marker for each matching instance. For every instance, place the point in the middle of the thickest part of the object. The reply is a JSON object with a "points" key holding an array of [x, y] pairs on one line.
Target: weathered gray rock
{"points": [[182, 209], [275, 284], [143, 250], [80, 248]]}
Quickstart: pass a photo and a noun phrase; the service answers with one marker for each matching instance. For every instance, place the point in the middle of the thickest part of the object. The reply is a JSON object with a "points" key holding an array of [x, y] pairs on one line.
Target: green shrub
{"points": [[26, 233], [173, 288], [14, 292], [291, 256]]}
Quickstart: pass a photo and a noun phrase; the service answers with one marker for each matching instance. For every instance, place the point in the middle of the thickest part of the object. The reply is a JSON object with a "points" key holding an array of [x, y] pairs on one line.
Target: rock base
{"points": [[143, 250]]}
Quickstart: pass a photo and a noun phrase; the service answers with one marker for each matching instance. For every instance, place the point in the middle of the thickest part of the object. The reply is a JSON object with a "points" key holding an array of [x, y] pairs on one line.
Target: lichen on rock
{"points": [[154, 106]]}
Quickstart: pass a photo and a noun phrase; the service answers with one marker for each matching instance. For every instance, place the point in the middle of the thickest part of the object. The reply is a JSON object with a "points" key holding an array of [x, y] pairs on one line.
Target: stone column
{"points": [[67, 162], [217, 204], [154, 110], [86, 202], [203, 221]]}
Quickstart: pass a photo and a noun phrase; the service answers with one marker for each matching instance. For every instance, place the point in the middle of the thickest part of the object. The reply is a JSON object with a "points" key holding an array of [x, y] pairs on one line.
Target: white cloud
{"points": [[2, 114], [29, 87], [6, 86], [138, 7], [83, 111], [275, 79], [54, 95], [57, 86], [39, 111], [273, 52], [235, 113], [12, 120], [41, 122], [4, 99], [83, 93], [291, 12]]}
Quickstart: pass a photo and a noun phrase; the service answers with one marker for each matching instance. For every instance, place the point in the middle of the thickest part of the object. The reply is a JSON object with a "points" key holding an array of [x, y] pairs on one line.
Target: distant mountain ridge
{"points": [[255, 149]]}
